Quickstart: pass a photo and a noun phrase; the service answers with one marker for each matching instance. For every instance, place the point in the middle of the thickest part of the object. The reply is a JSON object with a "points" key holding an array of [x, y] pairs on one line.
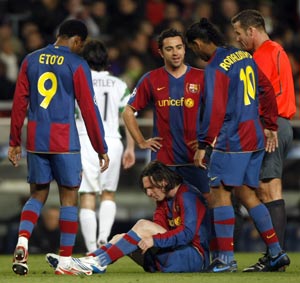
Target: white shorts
{"points": [[93, 180]]}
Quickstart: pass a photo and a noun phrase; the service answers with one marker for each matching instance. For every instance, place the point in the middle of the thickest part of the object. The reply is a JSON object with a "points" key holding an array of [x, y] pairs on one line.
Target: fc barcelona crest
{"points": [[193, 88]]}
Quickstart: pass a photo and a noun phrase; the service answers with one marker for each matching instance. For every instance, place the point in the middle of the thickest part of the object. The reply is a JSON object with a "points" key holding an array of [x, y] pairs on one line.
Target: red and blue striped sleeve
{"points": [[20, 104], [89, 110]]}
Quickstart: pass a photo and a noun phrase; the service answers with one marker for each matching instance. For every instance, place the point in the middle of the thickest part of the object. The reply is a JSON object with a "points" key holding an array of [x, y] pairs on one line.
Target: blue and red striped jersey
{"points": [[231, 103], [185, 218], [49, 81], [175, 105]]}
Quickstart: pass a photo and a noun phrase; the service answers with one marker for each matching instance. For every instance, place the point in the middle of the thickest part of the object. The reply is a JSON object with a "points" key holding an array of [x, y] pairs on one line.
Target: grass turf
{"points": [[126, 271]]}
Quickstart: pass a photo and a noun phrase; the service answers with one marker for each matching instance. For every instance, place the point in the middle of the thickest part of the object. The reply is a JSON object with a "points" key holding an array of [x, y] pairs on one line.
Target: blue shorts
{"points": [[195, 176], [235, 168], [65, 169], [184, 259]]}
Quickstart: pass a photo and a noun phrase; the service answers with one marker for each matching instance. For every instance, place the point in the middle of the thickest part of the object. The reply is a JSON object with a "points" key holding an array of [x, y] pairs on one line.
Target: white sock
{"points": [[22, 241], [107, 213], [88, 224]]}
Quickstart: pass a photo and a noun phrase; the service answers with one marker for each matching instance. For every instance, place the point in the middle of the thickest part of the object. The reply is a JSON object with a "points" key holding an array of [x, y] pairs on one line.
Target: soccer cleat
{"points": [[218, 266], [20, 266], [91, 263], [279, 262], [87, 262], [73, 269], [52, 259], [267, 264]]}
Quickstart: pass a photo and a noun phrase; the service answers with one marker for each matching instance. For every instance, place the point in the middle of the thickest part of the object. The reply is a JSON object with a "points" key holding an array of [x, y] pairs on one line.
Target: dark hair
{"points": [[95, 53], [205, 31], [71, 28], [249, 18], [168, 33], [159, 172]]}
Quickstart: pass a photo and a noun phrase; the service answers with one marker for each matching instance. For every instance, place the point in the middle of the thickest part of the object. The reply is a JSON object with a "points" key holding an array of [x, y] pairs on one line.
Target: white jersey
{"points": [[111, 96]]}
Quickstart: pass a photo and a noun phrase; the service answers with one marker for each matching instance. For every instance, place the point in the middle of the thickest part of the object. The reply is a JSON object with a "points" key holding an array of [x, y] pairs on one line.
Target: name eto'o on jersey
{"points": [[50, 59]]}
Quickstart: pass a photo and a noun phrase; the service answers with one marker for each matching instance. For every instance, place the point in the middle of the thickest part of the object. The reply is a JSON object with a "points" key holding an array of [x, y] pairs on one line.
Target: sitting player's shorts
{"points": [[65, 169], [92, 179], [185, 259], [195, 176], [272, 165], [235, 168]]}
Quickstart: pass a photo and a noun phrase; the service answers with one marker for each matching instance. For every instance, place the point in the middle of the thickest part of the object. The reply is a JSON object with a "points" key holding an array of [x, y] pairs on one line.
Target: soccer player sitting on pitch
{"points": [[175, 241]]}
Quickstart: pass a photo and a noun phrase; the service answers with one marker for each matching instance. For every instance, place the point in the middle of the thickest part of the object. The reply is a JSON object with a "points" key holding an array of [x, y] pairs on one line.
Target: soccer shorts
{"points": [[65, 169], [272, 165], [183, 259], [235, 168], [195, 176], [93, 181]]}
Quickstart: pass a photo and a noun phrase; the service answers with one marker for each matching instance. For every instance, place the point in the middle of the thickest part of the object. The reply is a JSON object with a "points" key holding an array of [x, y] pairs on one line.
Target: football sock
{"points": [[263, 223], [29, 216], [101, 250], [278, 215], [107, 213], [213, 242], [224, 227], [126, 245], [88, 224], [68, 224]]}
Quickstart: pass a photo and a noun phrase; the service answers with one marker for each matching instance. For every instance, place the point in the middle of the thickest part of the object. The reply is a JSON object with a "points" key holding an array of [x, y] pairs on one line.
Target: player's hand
{"points": [[193, 145], [104, 161], [153, 144], [199, 158], [14, 155], [146, 243], [271, 140], [128, 158]]}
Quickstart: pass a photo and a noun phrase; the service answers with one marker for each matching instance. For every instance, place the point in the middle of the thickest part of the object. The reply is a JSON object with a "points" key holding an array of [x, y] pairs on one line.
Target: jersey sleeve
{"points": [[20, 104], [85, 97], [186, 224], [141, 94], [267, 102]]}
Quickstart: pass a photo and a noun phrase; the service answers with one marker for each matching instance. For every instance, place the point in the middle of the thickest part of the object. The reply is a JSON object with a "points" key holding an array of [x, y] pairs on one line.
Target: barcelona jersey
{"points": [[186, 220], [175, 105], [49, 81], [231, 120]]}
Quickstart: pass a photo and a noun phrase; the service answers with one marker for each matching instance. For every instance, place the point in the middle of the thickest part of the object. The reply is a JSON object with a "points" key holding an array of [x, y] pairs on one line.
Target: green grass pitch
{"points": [[126, 271]]}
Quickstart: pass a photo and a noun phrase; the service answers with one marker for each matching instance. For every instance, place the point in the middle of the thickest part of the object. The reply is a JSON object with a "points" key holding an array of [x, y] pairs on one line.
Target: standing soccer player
{"points": [[174, 92], [49, 81], [249, 27], [111, 95], [231, 124]]}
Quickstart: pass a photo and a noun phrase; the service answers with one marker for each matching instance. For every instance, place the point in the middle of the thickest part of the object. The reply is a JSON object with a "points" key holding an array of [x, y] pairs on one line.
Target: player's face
{"points": [[156, 192], [173, 51], [243, 37]]}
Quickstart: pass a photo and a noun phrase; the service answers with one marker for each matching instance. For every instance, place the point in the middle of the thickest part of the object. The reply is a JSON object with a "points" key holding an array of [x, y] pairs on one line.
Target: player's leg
{"points": [[88, 192], [109, 184], [270, 191], [67, 172], [39, 177], [259, 212]]}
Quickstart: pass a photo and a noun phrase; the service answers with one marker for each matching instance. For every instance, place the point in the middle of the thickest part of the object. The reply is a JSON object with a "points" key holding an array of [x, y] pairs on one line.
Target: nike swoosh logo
{"points": [[217, 269], [270, 236], [160, 88], [213, 178]]}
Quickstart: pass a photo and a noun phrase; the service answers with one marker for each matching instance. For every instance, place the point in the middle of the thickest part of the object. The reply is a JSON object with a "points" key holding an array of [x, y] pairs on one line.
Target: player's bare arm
{"points": [[133, 127]]}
